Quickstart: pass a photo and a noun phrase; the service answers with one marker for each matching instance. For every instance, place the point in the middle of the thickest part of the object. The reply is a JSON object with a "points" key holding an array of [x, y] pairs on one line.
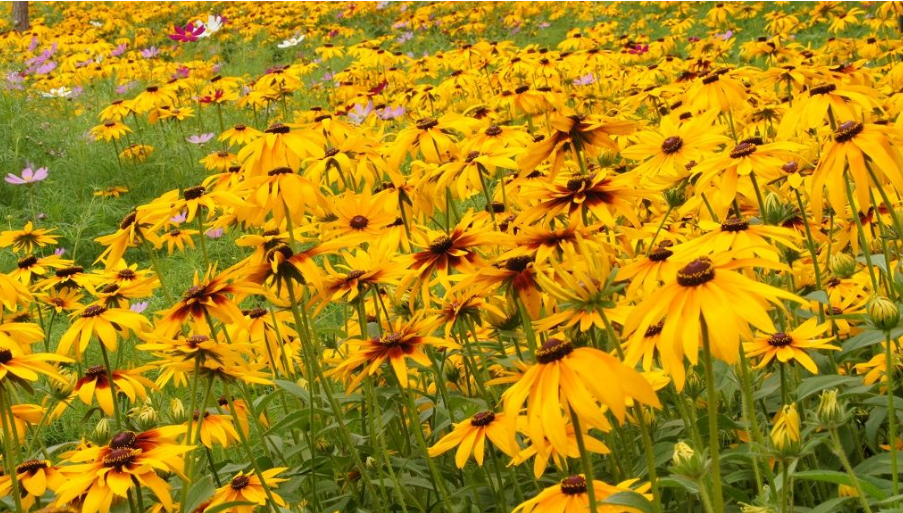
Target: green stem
{"points": [[6, 415], [891, 412], [712, 405], [106, 362], [587, 462], [838, 448], [250, 452]]}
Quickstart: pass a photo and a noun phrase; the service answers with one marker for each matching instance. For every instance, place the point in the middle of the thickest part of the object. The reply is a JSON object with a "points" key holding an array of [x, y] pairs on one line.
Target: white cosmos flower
{"points": [[60, 92], [214, 23], [293, 41]]}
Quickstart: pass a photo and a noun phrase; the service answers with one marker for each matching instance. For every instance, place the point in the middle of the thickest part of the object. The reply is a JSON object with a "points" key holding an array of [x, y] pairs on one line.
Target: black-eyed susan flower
{"points": [[568, 381], [248, 488], [792, 346], [707, 288], [106, 324], [28, 238], [571, 495], [469, 438], [400, 339]]}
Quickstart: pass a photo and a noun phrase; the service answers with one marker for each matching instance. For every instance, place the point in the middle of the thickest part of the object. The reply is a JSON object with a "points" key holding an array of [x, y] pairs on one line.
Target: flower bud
{"points": [[675, 197], [847, 491], [785, 434], [682, 452], [884, 313], [101, 431], [776, 212], [177, 411], [842, 265], [830, 412], [687, 462]]}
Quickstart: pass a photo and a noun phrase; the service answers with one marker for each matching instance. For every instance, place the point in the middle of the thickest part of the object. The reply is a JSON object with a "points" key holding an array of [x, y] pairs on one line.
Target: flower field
{"points": [[450, 257]]}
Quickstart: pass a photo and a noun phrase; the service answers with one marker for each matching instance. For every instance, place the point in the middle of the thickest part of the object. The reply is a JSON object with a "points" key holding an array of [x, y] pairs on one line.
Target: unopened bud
{"points": [[785, 435], [842, 265], [102, 430], [830, 412], [177, 411], [884, 313], [682, 452], [675, 197]]}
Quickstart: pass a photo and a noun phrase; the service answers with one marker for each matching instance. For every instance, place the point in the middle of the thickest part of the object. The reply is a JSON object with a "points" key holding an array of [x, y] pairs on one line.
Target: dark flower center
{"points": [[696, 273], [743, 149], [5, 355], [112, 288], [152, 89], [822, 89], [119, 457], [26, 262], [734, 224], [69, 271], [573, 485], [672, 144], [441, 245], [194, 292], [278, 128], [93, 311], [711, 79], [196, 340], [193, 193], [280, 171], [331, 152], [553, 350], [518, 264], [847, 131], [655, 329], [109, 124], [427, 123], [96, 371], [660, 254], [123, 440], [353, 275], [256, 313], [239, 127], [391, 339], [790, 167], [359, 222], [239, 482], [471, 156], [128, 220], [484, 418], [780, 340], [522, 89], [126, 274], [576, 184], [493, 131], [31, 466]]}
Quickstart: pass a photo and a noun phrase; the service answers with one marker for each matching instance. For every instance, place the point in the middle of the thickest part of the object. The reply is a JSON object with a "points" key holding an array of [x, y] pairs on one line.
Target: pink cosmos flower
{"points": [[29, 176], [139, 306], [189, 33], [199, 138], [214, 233], [638, 49]]}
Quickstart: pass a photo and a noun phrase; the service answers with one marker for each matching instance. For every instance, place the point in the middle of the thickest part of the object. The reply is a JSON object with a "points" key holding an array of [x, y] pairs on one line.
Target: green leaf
{"points": [[832, 476], [630, 500], [815, 384], [294, 389], [830, 506], [227, 505], [676, 481], [200, 490]]}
